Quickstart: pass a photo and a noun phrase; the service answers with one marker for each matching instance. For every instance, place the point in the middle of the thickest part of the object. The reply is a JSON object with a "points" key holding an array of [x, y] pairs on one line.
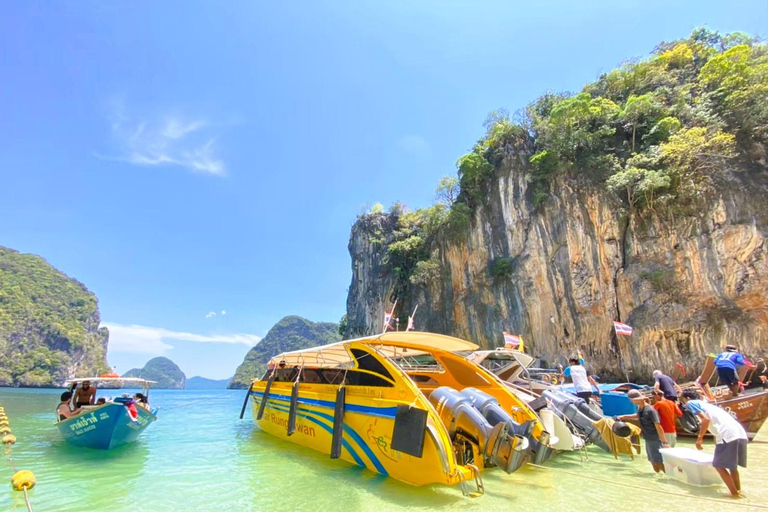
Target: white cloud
{"points": [[151, 340], [415, 145], [223, 312], [210, 314], [170, 140]]}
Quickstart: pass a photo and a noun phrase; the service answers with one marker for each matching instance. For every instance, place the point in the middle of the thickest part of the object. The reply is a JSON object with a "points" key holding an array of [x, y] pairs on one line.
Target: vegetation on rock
{"points": [[49, 324], [290, 333], [657, 133], [161, 370]]}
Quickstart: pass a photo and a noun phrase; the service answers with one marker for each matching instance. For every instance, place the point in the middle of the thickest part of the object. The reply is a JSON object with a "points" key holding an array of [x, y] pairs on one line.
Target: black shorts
{"points": [[728, 376], [730, 455], [652, 451], [584, 395], [82, 404]]}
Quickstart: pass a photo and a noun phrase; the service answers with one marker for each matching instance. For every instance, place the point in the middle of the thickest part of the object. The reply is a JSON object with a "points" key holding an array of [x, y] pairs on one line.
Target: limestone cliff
{"points": [[687, 284], [164, 372], [49, 324], [290, 333], [642, 199]]}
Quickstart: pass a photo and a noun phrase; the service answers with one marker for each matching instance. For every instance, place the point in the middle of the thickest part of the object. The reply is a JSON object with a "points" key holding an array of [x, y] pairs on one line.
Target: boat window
{"points": [[366, 361], [311, 376], [422, 363], [355, 378]]}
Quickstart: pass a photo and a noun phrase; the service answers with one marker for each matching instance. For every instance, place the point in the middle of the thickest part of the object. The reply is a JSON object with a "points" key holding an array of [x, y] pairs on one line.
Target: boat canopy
{"points": [[392, 345], [121, 380]]}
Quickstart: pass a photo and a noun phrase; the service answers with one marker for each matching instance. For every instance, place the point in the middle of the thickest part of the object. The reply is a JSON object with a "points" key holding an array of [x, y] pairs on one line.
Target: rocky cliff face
{"points": [[49, 324], [686, 283]]}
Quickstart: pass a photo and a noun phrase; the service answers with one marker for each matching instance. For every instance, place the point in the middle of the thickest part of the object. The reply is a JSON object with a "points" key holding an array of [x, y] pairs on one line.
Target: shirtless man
{"points": [[63, 411], [85, 394]]}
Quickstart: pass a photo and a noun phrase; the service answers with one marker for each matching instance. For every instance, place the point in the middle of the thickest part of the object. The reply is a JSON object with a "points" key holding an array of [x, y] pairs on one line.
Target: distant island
{"points": [[290, 333], [49, 324], [161, 370], [203, 383]]}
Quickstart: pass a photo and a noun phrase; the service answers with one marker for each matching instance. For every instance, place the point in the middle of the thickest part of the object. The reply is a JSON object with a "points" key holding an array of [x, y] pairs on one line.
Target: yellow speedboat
{"points": [[402, 404]]}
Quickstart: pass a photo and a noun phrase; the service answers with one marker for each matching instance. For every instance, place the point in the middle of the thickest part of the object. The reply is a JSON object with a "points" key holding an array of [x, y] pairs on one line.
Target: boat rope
{"points": [[649, 489], [21, 480]]}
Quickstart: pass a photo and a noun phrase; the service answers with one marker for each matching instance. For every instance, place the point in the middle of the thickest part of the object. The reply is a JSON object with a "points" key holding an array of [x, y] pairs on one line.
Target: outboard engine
{"points": [[494, 413], [568, 407], [498, 447]]}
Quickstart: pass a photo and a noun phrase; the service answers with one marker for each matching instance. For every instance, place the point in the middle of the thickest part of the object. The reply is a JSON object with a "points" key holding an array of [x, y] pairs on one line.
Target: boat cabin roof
{"points": [[393, 345], [121, 380]]}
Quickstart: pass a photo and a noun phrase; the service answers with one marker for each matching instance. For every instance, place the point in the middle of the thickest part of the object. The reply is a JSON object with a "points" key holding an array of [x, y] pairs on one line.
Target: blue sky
{"points": [[184, 158]]}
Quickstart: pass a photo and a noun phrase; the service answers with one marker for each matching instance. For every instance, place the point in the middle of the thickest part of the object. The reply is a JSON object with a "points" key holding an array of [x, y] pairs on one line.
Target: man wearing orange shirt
{"points": [[667, 410]]}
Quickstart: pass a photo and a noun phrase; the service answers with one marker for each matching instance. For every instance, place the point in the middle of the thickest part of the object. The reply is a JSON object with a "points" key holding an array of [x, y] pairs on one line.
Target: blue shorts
{"points": [[728, 376]]}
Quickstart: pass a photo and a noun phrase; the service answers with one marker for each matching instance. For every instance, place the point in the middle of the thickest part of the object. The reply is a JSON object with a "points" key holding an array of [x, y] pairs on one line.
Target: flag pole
{"points": [[386, 324], [412, 318]]}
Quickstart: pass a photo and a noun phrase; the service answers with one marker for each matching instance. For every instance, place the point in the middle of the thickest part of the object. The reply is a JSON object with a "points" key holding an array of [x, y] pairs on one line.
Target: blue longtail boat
{"points": [[114, 423]]}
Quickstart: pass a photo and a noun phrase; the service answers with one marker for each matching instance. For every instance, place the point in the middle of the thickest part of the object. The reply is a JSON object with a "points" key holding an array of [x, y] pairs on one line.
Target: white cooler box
{"points": [[690, 466]]}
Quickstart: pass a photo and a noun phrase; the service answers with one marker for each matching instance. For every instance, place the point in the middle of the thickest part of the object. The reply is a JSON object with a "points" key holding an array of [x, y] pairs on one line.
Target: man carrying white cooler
{"points": [[730, 438]]}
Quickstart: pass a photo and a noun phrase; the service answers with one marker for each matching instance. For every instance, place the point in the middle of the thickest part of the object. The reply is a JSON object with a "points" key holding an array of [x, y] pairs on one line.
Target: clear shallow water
{"points": [[199, 457]]}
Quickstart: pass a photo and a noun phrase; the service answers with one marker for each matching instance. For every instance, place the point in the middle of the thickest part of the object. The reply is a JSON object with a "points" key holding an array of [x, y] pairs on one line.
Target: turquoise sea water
{"points": [[199, 457]]}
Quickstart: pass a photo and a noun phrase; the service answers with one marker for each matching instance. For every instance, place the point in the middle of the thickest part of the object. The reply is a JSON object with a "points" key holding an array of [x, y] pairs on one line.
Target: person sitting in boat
{"points": [[730, 438], [141, 400], [650, 424], [63, 411], [668, 410], [666, 385], [101, 401], [727, 364], [85, 394], [582, 380]]}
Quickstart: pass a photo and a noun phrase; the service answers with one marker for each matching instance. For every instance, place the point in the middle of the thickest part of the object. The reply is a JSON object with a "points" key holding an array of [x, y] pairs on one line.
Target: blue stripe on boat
{"points": [[349, 430], [328, 429], [384, 412]]}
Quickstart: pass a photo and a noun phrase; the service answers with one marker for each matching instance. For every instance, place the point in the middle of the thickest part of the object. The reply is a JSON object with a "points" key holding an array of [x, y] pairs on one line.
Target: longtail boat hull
{"points": [[105, 427], [749, 408]]}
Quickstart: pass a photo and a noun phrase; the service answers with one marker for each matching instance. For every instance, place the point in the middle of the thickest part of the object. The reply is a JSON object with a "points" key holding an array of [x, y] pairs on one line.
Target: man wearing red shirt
{"points": [[667, 410]]}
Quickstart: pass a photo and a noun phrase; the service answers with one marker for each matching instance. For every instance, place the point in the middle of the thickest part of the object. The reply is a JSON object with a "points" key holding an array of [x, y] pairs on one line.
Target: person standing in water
{"points": [[667, 410], [730, 439], [653, 433], [666, 385]]}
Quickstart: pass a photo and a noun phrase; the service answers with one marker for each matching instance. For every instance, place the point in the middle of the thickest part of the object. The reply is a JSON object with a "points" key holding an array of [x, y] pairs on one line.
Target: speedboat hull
{"points": [[105, 427], [437, 419]]}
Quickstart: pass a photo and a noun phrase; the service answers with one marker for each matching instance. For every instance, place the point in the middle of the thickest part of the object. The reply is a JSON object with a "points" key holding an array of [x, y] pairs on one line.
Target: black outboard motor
{"points": [[494, 413], [569, 407], [498, 447]]}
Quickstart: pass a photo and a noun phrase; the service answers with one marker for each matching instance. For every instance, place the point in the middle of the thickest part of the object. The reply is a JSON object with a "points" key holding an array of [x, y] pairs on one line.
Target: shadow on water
{"points": [[278, 456]]}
